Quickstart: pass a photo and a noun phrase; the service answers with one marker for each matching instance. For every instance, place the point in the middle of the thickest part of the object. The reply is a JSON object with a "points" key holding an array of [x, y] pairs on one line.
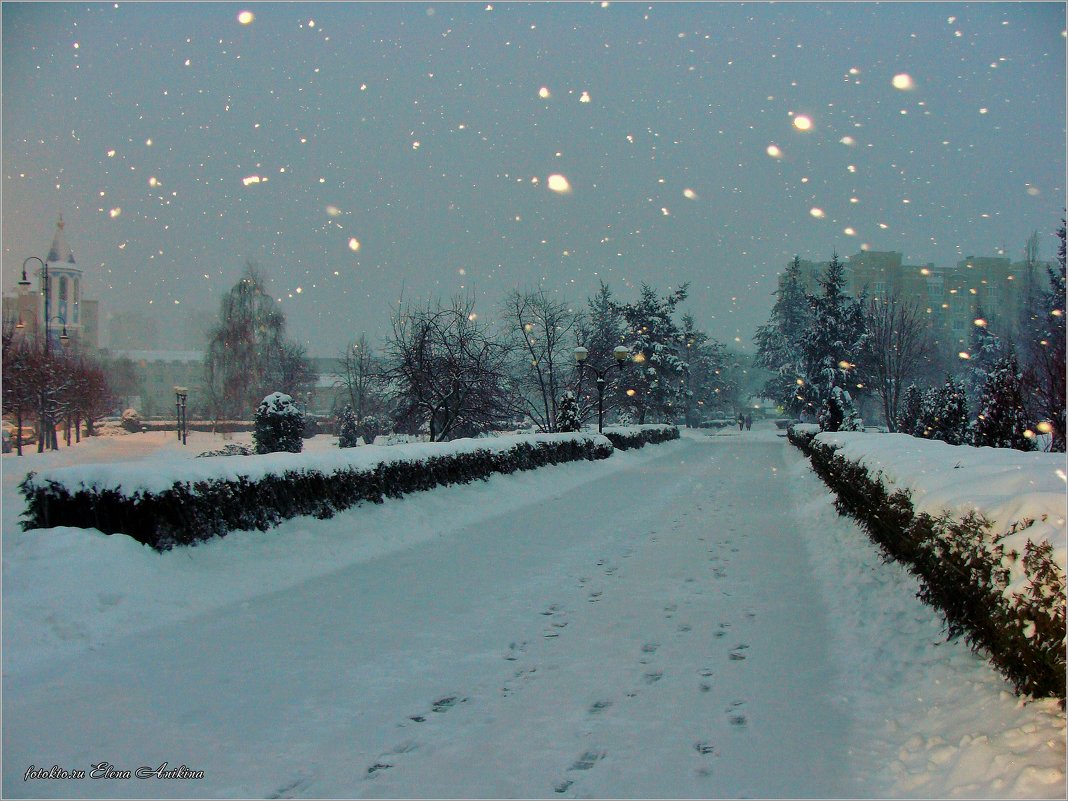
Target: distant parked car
{"points": [[27, 437]]}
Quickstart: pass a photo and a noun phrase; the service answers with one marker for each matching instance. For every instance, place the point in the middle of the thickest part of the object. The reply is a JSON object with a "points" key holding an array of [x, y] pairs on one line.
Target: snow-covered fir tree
{"points": [[831, 348], [658, 371], [779, 341], [945, 413], [279, 425], [348, 429], [1003, 418], [984, 353], [705, 379], [838, 412], [567, 418], [910, 415]]}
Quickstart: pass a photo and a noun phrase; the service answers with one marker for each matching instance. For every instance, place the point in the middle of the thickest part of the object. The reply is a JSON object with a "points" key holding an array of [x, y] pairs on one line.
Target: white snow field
{"points": [[691, 619]]}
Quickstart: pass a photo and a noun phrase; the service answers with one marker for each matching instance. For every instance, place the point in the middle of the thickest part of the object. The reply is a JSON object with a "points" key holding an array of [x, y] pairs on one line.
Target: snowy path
{"points": [[652, 632]]}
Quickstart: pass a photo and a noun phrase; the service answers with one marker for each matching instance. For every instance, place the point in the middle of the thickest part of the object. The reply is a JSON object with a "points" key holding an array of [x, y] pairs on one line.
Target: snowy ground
{"points": [[691, 619]]}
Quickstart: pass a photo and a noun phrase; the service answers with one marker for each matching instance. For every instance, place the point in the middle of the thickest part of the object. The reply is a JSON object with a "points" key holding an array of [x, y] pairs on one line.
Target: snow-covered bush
{"points": [[131, 421], [233, 449], [567, 418], [370, 427], [348, 429], [627, 437], [963, 567], [279, 425], [199, 501]]}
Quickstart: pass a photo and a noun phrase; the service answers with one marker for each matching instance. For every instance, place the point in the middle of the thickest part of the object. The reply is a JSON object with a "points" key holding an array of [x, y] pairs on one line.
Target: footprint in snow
{"points": [[738, 654], [588, 760], [445, 703], [598, 707], [685, 627], [652, 677], [388, 761], [722, 630], [291, 789], [736, 715], [514, 650]]}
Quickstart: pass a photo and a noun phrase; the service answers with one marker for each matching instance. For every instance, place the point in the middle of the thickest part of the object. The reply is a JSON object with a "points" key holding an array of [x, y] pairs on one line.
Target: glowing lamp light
{"points": [[903, 81], [621, 352], [559, 184], [1045, 427], [964, 355], [980, 322]]}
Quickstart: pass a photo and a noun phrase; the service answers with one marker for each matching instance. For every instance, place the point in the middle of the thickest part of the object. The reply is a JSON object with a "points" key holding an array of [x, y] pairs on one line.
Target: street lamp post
{"points": [[180, 396], [622, 353]]}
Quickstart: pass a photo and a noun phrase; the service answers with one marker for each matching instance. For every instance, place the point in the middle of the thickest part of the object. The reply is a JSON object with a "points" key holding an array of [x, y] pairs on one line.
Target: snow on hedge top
{"points": [[162, 474], [1006, 486]]}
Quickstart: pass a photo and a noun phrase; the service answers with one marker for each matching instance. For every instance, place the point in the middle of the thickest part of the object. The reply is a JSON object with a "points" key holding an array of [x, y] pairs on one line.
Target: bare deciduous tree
{"points": [[445, 369], [360, 378], [541, 334], [896, 350]]}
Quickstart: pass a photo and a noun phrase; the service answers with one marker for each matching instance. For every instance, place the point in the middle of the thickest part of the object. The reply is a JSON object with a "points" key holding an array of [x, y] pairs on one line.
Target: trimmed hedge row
{"points": [[960, 564], [189, 512], [640, 436]]}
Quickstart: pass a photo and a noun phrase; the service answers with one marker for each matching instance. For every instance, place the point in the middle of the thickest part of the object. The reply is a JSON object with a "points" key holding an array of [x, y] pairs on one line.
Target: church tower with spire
{"points": [[68, 311], [65, 280]]}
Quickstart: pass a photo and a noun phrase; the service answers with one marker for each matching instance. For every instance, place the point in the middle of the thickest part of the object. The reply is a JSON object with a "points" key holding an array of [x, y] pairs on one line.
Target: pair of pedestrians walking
{"points": [[745, 422]]}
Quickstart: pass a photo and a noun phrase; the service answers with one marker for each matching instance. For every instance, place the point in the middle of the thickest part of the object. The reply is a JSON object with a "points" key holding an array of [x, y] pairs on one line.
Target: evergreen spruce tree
{"points": [[348, 431], [1003, 417], [831, 348], [567, 418], [658, 374], [950, 420], [279, 425], [910, 417], [985, 352], [779, 341]]}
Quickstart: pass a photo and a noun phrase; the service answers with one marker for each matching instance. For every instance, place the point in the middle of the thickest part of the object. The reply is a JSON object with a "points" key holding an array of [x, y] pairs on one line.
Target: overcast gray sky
{"points": [[355, 150]]}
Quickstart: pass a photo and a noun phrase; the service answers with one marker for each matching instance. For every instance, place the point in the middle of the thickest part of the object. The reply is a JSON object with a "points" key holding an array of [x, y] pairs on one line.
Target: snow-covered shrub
{"points": [[348, 430], [370, 427], [279, 425], [567, 418], [131, 421], [233, 449], [627, 437], [963, 571], [192, 509]]}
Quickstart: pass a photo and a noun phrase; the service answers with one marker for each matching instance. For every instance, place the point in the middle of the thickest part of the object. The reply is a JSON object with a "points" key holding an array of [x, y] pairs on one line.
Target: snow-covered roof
{"points": [[60, 251]]}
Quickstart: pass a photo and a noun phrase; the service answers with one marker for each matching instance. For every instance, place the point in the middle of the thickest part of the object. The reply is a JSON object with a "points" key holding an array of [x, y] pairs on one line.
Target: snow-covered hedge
{"points": [[194, 500], [982, 528], [626, 437]]}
